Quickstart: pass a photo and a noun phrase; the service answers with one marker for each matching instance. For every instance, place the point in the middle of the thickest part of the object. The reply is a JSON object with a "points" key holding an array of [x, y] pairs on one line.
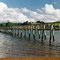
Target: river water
{"points": [[11, 46]]}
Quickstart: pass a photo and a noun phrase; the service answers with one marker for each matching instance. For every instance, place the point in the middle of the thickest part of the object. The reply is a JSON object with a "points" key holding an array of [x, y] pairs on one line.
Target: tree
{"points": [[38, 22], [25, 23], [9, 24]]}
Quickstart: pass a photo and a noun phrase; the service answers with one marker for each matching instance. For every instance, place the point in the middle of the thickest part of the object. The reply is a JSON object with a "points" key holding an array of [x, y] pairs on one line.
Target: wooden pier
{"points": [[32, 29]]}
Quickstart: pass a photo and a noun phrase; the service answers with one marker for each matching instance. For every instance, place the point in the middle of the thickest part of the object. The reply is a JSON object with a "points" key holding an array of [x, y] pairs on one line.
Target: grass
{"points": [[57, 24], [34, 23]]}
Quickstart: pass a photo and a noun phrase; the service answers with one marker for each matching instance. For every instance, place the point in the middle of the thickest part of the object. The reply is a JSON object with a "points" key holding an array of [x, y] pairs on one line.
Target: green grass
{"points": [[34, 23], [57, 24], [57, 21]]}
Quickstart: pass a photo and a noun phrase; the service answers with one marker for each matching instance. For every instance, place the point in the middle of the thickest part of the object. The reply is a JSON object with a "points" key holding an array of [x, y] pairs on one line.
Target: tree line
{"points": [[10, 24]]}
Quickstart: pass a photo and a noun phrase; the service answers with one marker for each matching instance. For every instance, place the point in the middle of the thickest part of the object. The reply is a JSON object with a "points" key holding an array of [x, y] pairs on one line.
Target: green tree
{"points": [[9, 24]]}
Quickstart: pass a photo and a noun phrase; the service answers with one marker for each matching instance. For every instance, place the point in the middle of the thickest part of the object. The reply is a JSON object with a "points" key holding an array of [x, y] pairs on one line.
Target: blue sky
{"points": [[31, 4]]}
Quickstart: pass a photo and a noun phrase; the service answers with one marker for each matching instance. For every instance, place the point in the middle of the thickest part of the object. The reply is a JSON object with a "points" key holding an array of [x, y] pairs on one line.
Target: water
{"points": [[11, 46]]}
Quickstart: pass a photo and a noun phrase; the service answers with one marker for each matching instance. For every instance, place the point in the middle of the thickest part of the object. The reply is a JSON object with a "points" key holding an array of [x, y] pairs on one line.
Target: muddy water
{"points": [[11, 46]]}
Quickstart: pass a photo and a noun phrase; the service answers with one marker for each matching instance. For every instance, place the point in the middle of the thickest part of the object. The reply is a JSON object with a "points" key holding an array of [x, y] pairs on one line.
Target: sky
{"points": [[29, 10]]}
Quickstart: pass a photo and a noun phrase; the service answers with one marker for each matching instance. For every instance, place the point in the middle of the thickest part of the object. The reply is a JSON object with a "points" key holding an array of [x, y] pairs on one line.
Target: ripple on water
{"points": [[15, 47]]}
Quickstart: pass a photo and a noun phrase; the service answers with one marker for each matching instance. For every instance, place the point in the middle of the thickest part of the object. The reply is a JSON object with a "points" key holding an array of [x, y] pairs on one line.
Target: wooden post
{"points": [[36, 30], [31, 29], [51, 34], [39, 34], [18, 33], [21, 34], [12, 32], [42, 36], [33, 34], [15, 32], [44, 32], [50, 37], [29, 34], [25, 34]]}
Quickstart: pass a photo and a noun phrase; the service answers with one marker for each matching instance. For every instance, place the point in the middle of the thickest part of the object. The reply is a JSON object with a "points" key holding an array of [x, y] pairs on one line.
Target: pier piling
{"points": [[51, 34], [44, 32], [18, 33], [42, 36], [39, 34], [15, 32], [29, 34], [33, 33], [21, 34], [50, 38], [25, 34]]}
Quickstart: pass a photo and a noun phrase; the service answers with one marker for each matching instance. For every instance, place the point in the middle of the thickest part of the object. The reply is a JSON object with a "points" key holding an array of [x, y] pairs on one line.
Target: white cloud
{"points": [[51, 14], [11, 14], [2, 6], [33, 15], [46, 14]]}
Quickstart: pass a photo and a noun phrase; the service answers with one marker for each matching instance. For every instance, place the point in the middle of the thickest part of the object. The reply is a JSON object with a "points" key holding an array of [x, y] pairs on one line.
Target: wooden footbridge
{"points": [[34, 28]]}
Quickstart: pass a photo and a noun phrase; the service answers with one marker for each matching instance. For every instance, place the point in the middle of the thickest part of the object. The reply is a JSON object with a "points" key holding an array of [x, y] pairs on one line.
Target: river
{"points": [[11, 46]]}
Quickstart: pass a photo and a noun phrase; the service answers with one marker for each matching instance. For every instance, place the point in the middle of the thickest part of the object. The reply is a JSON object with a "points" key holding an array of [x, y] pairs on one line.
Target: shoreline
{"points": [[32, 58]]}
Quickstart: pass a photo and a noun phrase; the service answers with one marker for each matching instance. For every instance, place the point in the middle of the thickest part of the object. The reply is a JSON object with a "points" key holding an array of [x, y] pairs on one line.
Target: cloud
{"points": [[2, 6], [51, 14], [46, 14], [32, 14], [11, 14]]}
